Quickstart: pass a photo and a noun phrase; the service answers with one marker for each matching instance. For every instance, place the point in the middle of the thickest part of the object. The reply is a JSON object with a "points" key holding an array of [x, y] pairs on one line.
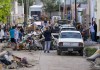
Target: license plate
{"points": [[66, 44], [74, 44], [70, 49]]}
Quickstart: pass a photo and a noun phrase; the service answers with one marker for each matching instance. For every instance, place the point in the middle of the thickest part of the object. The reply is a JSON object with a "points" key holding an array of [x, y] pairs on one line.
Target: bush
{"points": [[90, 51]]}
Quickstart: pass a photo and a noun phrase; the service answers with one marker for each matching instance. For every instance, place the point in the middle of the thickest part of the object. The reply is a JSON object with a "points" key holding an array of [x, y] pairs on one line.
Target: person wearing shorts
{"points": [[13, 40], [12, 37]]}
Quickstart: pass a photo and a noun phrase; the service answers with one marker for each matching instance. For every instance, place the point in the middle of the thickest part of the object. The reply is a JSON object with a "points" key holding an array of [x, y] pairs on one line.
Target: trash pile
{"points": [[10, 61], [30, 42]]}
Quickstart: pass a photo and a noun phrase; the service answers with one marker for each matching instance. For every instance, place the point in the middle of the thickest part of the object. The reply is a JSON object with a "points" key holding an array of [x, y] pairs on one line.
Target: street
{"points": [[52, 61], [30, 28]]}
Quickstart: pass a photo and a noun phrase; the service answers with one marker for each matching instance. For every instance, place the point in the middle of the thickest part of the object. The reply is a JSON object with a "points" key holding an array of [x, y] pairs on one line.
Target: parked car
{"points": [[70, 41], [67, 27], [63, 22]]}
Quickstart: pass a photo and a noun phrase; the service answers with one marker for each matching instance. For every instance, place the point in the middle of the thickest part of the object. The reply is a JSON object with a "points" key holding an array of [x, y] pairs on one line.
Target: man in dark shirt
{"points": [[95, 28], [47, 36]]}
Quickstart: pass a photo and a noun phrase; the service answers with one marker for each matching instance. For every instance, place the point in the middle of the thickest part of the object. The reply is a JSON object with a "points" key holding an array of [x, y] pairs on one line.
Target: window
{"points": [[70, 35]]}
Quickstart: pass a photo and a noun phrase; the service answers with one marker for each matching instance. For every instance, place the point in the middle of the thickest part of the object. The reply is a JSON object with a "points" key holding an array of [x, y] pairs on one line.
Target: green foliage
{"points": [[30, 2], [5, 7], [50, 5], [90, 51]]}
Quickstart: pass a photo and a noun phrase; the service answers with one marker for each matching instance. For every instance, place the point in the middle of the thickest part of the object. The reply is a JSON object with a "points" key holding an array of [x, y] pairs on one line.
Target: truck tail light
{"points": [[61, 44], [81, 44]]}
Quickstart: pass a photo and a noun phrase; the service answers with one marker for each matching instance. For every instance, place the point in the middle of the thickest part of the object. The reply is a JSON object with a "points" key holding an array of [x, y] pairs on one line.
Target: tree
{"points": [[30, 2], [50, 6], [5, 7]]}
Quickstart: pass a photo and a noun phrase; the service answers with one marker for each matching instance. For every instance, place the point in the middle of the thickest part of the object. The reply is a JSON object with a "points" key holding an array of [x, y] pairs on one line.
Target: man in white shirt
{"points": [[92, 32], [17, 37], [16, 34]]}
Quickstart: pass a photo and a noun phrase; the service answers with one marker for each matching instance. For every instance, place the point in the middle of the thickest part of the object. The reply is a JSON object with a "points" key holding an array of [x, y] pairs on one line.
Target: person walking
{"points": [[12, 37], [92, 32], [47, 36]]}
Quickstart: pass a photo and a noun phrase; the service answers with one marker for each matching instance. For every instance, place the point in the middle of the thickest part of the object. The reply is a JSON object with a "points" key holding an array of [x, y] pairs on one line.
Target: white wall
{"points": [[20, 11], [16, 6], [92, 6], [98, 15]]}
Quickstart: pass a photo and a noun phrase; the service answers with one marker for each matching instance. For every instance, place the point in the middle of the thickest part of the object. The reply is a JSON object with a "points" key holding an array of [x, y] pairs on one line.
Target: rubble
{"points": [[10, 61]]}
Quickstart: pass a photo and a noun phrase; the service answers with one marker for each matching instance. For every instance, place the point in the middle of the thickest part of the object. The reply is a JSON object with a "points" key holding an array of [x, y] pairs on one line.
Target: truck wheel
{"points": [[59, 52]]}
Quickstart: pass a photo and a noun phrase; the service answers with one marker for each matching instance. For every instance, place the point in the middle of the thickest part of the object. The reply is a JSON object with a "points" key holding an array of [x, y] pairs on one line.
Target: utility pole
{"points": [[26, 6], [64, 9], [71, 9], [15, 14], [22, 11], [76, 11], [59, 9]]}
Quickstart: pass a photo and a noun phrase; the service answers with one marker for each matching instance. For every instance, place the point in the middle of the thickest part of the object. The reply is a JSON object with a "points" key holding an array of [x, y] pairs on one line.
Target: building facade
{"points": [[93, 12], [98, 14]]}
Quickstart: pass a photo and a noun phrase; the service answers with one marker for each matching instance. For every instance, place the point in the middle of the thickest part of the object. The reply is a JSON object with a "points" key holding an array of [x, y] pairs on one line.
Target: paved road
{"points": [[51, 61]]}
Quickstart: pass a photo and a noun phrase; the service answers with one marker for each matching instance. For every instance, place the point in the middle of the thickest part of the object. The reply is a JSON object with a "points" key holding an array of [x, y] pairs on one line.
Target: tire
{"points": [[59, 52], [81, 52]]}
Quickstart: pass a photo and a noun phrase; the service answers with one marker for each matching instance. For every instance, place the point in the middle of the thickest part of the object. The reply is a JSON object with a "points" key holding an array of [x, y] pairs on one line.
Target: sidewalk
{"points": [[95, 46], [92, 44]]}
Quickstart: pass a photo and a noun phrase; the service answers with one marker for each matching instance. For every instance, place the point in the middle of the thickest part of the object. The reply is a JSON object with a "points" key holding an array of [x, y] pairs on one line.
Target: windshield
{"points": [[70, 35]]}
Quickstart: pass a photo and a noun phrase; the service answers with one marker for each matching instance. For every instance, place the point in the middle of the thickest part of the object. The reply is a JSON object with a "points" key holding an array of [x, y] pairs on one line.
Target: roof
{"points": [[34, 6], [66, 25], [71, 31]]}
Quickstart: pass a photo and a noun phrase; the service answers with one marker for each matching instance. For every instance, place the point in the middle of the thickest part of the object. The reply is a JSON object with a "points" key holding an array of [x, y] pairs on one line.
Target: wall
{"points": [[53, 14], [98, 15]]}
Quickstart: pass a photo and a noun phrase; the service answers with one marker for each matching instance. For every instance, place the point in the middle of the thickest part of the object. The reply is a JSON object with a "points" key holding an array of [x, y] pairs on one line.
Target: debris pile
{"points": [[10, 61]]}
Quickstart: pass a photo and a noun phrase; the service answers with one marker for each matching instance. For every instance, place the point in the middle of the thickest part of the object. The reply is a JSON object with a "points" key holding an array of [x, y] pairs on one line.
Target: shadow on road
{"points": [[54, 53], [70, 54]]}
